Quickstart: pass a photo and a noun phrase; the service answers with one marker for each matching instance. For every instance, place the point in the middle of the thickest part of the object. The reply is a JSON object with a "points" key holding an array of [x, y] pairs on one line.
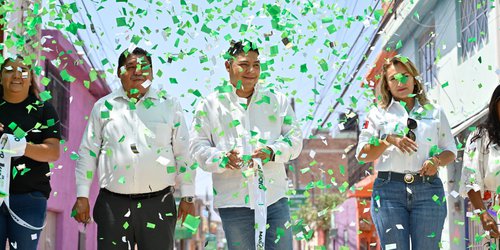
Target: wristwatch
{"points": [[383, 137], [188, 199]]}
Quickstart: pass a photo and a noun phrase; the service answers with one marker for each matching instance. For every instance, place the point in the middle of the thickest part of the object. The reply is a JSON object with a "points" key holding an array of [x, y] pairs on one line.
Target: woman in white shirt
{"points": [[480, 179], [410, 139]]}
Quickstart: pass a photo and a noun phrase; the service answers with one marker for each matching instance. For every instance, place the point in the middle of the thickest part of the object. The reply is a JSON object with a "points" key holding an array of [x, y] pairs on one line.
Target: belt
{"points": [[167, 190], [406, 178]]}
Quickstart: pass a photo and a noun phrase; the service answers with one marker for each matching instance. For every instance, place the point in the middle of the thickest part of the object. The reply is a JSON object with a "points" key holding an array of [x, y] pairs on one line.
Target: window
{"points": [[60, 91], [427, 57], [474, 23]]}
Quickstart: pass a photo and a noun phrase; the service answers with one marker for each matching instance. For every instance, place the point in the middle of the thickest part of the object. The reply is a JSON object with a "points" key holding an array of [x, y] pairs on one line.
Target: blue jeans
{"points": [[31, 207], [239, 222], [402, 211]]}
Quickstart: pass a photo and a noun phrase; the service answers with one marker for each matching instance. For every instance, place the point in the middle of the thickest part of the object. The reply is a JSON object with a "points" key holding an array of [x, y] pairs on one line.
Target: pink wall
{"points": [[63, 179], [346, 222]]}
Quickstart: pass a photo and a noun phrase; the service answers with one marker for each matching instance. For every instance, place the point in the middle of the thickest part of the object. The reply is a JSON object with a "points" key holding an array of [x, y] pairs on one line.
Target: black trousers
{"points": [[123, 222]]}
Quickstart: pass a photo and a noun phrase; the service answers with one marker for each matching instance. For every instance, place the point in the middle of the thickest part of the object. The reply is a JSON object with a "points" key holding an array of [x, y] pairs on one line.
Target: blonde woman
{"points": [[411, 139]]}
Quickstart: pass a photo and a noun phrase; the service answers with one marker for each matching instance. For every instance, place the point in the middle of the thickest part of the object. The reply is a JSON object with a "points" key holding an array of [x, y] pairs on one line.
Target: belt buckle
{"points": [[409, 178]]}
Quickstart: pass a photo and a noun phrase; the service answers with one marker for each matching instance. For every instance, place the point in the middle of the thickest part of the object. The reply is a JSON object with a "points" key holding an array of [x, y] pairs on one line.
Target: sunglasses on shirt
{"points": [[411, 124]]}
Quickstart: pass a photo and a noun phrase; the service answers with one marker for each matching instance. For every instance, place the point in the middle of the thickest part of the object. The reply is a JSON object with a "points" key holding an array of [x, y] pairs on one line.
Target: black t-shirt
{"points": [[40, 121]]}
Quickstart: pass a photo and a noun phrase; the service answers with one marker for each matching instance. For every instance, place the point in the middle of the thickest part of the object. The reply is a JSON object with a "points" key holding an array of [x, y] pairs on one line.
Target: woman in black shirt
{"points": [[23, 114]]}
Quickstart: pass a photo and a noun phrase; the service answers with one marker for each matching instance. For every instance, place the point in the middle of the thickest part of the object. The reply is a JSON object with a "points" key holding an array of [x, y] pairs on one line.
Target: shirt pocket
{"points": [[427, 131]]}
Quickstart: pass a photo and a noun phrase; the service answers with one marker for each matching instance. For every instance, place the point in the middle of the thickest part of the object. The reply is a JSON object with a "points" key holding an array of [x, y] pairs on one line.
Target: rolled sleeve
{"points": [[89, 152], [446, 142], [368, 132], [472, 171]]}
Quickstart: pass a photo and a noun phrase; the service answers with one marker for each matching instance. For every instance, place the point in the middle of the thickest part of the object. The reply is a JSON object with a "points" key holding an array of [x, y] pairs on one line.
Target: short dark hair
{"points": [[239, 47], [492, 123], [137, 51]]}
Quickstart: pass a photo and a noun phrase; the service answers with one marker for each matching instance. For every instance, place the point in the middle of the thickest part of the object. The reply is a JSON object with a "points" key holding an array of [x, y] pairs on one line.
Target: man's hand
{"points": [[185, 208], [489, 224], [405, 144], [1, 127], [82, 208], [264, 153], [430, 166], [234, 159]]}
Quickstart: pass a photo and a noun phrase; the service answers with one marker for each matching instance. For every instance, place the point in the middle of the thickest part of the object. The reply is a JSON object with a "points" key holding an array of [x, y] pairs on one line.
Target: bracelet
{"points": [[435, 161]]}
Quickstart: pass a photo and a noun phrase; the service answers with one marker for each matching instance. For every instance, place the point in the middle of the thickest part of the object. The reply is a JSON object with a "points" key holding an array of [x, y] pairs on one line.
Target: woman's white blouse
{"points": [[433, 135], [481, 169]]}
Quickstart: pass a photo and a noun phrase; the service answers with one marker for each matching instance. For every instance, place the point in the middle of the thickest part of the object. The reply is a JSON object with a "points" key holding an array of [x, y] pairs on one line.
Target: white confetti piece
{"points": [[127, 214], [366, 210], [388, 230], [390, 246], [312, 153], [34, 236], [408, 190], [363, 156], [399, 226], [124, 239], [163, 161], [147, 83], [454, 194]]}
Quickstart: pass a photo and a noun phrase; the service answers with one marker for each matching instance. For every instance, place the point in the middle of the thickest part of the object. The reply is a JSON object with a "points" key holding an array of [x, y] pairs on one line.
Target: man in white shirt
{"points": [[137, 140], [236, 127]]}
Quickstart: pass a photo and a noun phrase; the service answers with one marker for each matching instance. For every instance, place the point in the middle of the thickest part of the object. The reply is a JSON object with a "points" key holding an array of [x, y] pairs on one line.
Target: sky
{"points": [[326, 41]]}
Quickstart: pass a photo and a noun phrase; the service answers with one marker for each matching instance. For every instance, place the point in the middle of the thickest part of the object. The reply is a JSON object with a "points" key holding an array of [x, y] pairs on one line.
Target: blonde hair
{"points": [[384, 95]]}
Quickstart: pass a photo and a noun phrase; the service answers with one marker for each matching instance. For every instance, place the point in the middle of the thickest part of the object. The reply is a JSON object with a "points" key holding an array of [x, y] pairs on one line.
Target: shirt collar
{"points": [[234, 97], [120, 93], [393, 101]]}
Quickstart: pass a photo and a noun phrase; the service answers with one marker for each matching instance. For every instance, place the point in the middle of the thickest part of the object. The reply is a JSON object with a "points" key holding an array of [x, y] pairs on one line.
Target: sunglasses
{"points": [[411, 124]]}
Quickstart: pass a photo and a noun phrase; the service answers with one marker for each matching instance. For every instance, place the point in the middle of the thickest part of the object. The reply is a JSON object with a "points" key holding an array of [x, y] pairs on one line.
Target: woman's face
{"points": [[16, 78], [400, 82]]}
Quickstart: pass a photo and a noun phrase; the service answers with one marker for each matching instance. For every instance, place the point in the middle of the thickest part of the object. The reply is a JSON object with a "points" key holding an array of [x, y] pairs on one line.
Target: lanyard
{"points": [[260, 205]]}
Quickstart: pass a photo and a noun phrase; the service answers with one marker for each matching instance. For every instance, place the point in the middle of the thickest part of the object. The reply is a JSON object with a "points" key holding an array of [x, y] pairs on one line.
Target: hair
{"points": [[33, 90], [492, 123], [239, 47], [138, 52], [385, 94]]}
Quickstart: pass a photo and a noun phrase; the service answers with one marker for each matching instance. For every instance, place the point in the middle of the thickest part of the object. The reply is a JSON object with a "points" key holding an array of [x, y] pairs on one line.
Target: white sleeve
{"points": [[446, 142], [473, 166], [289, 145], [89, 152], [368, 133], [201, 145], [180, 147]]}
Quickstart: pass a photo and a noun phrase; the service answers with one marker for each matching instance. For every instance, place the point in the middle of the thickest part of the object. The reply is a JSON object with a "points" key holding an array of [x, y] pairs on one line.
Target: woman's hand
{"points": [[489, 224], [405, 144]]}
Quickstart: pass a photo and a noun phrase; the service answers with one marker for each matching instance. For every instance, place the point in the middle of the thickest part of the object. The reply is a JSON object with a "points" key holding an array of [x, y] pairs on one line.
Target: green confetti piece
{"points": [[108, 105], [272, 118], [104, 114], [51, 122], [323, 64], [125, 225], [120, 22], [191, 222], [45, 95], [303, 68], [171, 169], [90, 174], [121, 180], [14, 173], [25, 170], [342, 169], [150, 225], [288, 120], [139, 205], [331, 29], [73, 213], [274, 50], [173, 81], [234, 123], [122, 139], [444, 85], [19, 133], [399, 44]]}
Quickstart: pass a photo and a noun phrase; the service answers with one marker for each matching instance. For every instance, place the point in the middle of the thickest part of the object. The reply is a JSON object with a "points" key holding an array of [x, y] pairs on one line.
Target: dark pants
{"points": [[123, 222], [30, 207]]}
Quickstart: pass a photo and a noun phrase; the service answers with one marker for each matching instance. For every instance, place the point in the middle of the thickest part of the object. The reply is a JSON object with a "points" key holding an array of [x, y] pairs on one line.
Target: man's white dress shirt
{"points": [[135, 148], [224, 122]]}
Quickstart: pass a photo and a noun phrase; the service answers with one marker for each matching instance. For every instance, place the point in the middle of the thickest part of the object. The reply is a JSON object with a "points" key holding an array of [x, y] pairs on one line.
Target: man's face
{"points": [[244, 68], [136, 70]]}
